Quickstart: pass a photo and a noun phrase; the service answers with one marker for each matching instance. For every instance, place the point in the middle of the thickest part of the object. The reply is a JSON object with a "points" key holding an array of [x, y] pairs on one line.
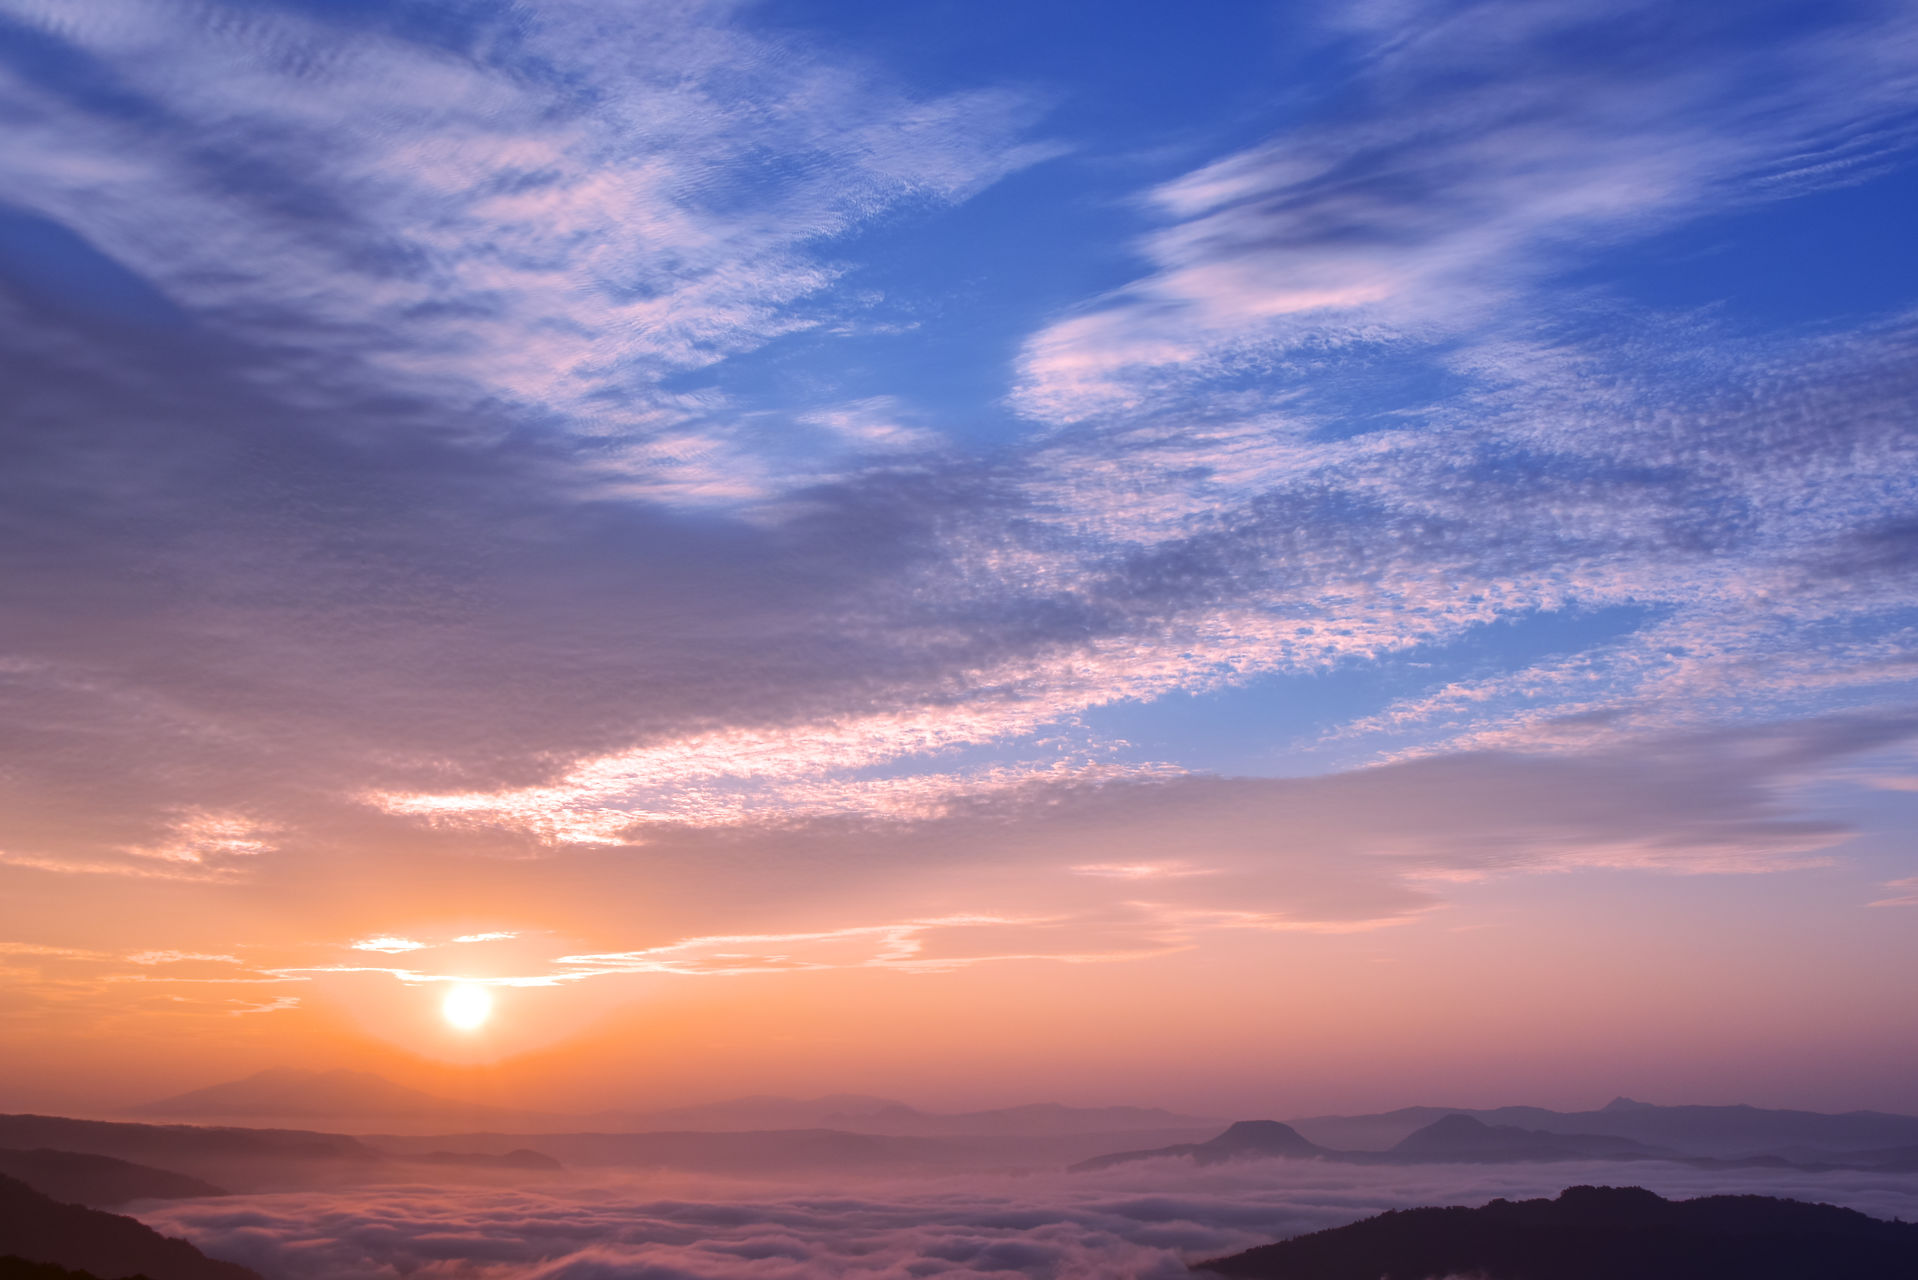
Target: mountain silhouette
{"points": [[174, 1144], [100, 1181], [239, 1159], [1463, 1137], [1720, 1131], [21, 1269], [372, 1102], [291, 1092], [1244, 1140], [1596, 1233], [40, 1229]]}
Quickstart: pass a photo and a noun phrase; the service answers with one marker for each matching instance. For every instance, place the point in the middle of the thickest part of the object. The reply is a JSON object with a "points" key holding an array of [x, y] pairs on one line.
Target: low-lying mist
{"points": [[1147, 1221]]}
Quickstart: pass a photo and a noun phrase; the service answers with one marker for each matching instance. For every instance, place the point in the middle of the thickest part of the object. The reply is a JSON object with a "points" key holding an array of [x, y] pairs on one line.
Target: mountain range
{"points": [[255, 1160], [363, 1100], [107, 1162], [235, 1158], [1461, 1138], [359, 1101], [1729, 1131], [859, 1132]]}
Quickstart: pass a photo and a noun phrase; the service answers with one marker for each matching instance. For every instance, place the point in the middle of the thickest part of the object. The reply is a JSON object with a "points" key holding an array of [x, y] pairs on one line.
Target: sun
{"points": [[467, 1006]]}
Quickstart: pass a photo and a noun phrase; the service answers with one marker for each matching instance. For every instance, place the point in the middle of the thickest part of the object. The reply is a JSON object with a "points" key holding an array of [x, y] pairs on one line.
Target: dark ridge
{"points": [[21, 1269], [1596, 1233], [237, 1159], [40, 1229], [99, 1181], [131, 1141]]}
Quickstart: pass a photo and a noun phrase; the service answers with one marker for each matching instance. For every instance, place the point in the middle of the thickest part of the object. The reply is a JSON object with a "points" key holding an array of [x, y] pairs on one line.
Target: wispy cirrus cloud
{"points": [[484, 633], [935, 944], [387, 944], [553, 210], [1354, 386], [1904, 893], [1345, 852], [1141, 870], [1073, 873], [202, 837], [53, 987], [1413, 224], [179, 957]]}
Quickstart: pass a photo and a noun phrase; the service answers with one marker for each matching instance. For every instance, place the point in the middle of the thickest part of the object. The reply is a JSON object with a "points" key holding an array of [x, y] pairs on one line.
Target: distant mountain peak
{"points": [[1623, 1103], [1462, 1134], [299, 1091], [1459, 1122], [1242, 1140]]}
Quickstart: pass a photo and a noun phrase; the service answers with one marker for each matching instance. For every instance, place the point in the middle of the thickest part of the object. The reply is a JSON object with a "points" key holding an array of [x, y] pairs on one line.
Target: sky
{"points": [[1260, 558]]}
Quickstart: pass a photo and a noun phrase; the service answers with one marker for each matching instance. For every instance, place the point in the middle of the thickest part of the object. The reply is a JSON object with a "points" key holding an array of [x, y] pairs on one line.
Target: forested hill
{"points": [[1596, 1233]]}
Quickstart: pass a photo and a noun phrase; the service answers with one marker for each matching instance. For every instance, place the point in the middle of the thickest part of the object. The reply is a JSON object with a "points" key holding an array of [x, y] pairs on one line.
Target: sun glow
{"points": [[467, 1006]]}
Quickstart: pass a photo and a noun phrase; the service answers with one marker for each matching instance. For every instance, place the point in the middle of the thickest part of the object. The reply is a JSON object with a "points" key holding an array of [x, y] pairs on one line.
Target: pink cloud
{"points": [[1905, 893]]}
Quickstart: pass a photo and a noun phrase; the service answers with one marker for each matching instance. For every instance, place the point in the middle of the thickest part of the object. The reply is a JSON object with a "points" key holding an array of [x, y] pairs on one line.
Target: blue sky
{"points": [[550, 433]]}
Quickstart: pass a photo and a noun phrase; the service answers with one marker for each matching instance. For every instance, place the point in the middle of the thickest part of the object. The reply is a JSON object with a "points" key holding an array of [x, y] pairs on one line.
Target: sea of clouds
{"points": [[1144, 1222]]}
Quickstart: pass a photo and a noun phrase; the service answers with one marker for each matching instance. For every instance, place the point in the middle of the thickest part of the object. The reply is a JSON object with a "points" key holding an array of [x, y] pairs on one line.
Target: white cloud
{"points": [[180, 957], [386, 944]]}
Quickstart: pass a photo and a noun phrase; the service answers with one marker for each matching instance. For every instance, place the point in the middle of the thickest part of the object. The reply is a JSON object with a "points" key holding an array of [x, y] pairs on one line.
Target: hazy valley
{"points": [[658, 1193]]}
